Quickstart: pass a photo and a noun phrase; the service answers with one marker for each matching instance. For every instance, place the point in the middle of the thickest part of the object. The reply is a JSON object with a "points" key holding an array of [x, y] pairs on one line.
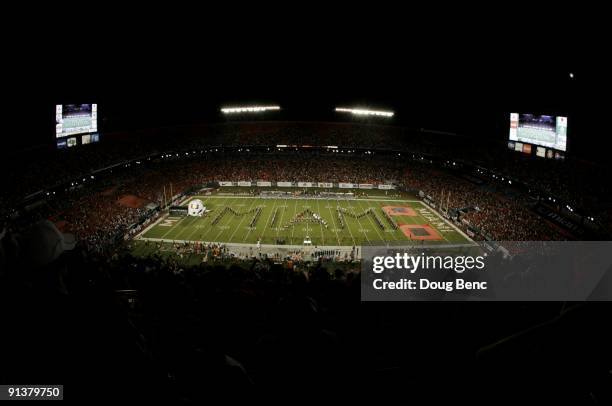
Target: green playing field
{"points": [[326, 222], [77, 121]]}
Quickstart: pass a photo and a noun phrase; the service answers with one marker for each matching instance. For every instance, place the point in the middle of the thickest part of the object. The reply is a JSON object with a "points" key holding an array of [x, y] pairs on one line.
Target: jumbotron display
{"points": [[71, 119], [546, 131]]}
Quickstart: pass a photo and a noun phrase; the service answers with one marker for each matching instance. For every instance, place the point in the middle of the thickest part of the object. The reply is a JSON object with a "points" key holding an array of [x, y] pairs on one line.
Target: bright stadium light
{"points": [[248, 109], [365, 112]]}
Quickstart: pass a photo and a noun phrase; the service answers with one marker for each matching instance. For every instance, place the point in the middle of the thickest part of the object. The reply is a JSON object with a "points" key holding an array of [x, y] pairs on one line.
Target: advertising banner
{"points": [[346, 185]]}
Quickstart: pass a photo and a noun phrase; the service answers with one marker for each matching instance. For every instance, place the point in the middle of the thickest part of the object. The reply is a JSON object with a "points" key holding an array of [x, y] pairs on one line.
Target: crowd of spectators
{"points": [[501, 216], [97, 214], [99, 219], [150, 329], [573, 180]]}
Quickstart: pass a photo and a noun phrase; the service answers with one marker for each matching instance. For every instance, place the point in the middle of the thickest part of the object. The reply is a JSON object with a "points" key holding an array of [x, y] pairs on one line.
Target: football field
{"points": [[291, 221]]}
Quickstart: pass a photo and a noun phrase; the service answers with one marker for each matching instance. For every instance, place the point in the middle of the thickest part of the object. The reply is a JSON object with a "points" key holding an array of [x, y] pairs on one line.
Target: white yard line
{"points": [[358, 221], [293, 228], [321, 225], [346, 225], [280, 221], [172, 228], [150, 226], [457, 229], [187, 228], [222, 230], [269, 218], [332, 219], [180, 221], [382, 238], [246, 235], [239, 224], [196, 229]]}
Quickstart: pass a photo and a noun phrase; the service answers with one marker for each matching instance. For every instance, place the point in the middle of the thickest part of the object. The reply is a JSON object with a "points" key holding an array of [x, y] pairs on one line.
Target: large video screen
{"points": [[546, 131], [71, 119]]}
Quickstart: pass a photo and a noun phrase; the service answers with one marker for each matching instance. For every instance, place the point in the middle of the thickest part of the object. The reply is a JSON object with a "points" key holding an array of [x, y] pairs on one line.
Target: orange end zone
{"points": [[399, 211], [420, 232]]}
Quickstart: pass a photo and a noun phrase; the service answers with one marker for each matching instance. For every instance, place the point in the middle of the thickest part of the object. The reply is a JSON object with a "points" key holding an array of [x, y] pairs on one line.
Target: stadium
{"points": [[215, 240]]}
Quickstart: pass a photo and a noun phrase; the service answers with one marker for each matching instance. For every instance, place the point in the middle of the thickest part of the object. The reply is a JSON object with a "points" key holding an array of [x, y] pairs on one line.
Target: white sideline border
{"points": [[457, 229], [164, 216]]}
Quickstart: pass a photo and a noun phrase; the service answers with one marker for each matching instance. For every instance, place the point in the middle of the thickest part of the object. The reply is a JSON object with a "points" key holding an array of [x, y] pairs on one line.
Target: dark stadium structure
{"points": [[493, 194], [90, 302]]}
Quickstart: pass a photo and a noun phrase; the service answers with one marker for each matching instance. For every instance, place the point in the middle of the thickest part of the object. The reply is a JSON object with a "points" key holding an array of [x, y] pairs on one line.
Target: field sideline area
{"points": [[290, 221]]}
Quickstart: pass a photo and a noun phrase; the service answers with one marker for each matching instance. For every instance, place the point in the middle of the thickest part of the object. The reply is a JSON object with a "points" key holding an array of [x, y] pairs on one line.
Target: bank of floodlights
{"points": [[248, 109], [365, 112]]}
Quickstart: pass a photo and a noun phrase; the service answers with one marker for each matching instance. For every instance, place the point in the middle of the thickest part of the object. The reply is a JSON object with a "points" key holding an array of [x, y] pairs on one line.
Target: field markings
{"points": [[394, 231], [321, 225], [457, 229], [246, 235], [307, 204], [336, 227], [301, 198], [195, 227], [373, 224], [154, 225], [172, 228], [189, 228], [280, 222], [332, 219], [241, 220], [221, 230], [293, 227], [382, 239], [268, 221], [201, 229], [250, 228], [425, 221], [364, 230], [346, 225]]}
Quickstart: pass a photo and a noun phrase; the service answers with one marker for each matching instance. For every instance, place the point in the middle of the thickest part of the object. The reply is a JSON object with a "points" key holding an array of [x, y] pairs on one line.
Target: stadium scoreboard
{"points": [[76, 124], [546, 135]]}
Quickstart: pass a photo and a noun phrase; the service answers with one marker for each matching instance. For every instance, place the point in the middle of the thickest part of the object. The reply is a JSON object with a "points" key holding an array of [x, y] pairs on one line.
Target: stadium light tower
{"points": [[248, 109], [365, 112]]}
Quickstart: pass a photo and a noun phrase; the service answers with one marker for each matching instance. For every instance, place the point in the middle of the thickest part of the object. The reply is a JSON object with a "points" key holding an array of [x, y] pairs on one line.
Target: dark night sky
{"points": [[452, 77]]}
